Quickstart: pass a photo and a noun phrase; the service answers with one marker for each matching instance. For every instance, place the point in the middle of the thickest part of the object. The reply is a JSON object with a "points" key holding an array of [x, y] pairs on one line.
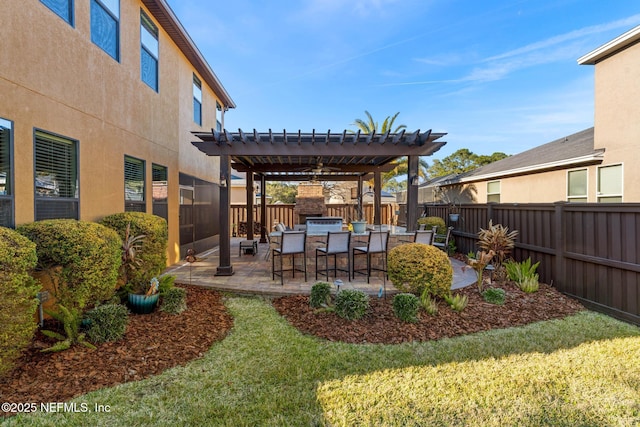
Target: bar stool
{"points": [[338, 242], [291, 243], [376, 244]]}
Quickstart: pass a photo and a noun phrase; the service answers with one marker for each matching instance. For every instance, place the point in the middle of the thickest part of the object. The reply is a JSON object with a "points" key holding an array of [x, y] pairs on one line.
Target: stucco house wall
{"points": [[54, 78]]}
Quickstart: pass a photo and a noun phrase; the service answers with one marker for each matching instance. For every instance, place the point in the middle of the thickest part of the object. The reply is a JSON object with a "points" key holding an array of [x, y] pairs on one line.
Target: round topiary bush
{"points": [[81, 257], [351, 304], [416, 267], [320, 295], [18, 292], [153, 252], [430, 221]]}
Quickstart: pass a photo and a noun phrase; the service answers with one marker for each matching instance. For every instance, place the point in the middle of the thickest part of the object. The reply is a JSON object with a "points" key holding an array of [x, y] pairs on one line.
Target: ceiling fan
{"points": [[319, 168]]}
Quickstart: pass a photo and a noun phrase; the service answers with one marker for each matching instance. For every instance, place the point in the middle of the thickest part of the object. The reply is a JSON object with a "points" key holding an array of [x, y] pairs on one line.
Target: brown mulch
{"points": [[158, 341], [380, 324], [153, 343]]}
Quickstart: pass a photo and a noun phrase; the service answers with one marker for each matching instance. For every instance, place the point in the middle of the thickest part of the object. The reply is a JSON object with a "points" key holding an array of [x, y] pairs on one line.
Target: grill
{"points": [[325, 224]]}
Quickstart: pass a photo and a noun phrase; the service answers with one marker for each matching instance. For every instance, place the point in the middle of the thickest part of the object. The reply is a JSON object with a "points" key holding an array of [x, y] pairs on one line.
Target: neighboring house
{"points": [[99, 98], [597, 165]]}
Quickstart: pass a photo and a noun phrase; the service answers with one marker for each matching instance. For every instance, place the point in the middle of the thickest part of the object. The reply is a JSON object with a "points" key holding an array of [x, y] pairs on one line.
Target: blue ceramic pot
{"points": [[359, 227], [142, 304]]}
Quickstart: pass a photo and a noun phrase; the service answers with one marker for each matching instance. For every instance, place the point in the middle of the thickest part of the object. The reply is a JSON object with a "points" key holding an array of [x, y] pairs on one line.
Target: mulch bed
{"points": [[153, 343], [158, 341], [380, 324]]}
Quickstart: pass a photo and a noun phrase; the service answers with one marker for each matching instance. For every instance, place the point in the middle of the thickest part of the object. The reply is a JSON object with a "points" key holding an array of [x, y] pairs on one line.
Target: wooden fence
{"points": [[590, 251], [285, 213]]}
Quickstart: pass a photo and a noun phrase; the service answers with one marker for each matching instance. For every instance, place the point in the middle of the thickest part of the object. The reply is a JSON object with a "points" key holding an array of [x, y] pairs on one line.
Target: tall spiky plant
{"points": [[499, 239]]}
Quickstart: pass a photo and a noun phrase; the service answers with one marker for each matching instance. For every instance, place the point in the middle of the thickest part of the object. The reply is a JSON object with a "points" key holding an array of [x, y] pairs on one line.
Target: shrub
{"points": [[166, 283], [519, 271], [457, 302], [406, 306], [174, 301], [82, 259], [494, 296], [430, 221], [416, 267], [152, 254], [320, 295], [351, 304], [18, 292], [107, 322], [498, 239], [428, 303], [530, 284]]}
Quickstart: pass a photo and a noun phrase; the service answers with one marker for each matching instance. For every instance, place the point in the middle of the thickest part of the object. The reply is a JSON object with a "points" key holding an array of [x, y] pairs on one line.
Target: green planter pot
{"points": [[359, 227], [142, 304]]}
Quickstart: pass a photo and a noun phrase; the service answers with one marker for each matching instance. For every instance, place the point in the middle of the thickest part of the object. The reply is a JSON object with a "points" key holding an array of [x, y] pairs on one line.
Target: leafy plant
{"points": [[431, 221], [406, 306], [351, 304], [18, 292], [519, 271], [131, 246], [320, 295], [478, 262], [498, 239], [166, 283], [429, 304], [415, 267], [530, 284], [107, 322], [457, 302], [494, 296], [174, 301], [70, 319]]}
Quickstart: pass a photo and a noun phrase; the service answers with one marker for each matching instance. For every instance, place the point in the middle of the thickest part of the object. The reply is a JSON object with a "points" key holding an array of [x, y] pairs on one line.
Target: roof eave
{"points": [[625, 40], [163, 13], [575, 161]]}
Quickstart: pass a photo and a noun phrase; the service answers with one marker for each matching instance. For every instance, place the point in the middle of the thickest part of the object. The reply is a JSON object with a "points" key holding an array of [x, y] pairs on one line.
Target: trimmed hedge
{"points": [[153, 253], [18, 292], [416, 267], [430, 221], [320, 295], [83, 258]]}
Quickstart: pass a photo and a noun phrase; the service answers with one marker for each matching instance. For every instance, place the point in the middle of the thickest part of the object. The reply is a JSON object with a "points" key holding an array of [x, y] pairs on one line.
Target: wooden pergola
{"points": [[298, 156]]}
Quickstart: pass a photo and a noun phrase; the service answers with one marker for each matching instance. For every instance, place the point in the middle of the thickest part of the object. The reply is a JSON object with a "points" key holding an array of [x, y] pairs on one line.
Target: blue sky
{"points": [[494, 75]]}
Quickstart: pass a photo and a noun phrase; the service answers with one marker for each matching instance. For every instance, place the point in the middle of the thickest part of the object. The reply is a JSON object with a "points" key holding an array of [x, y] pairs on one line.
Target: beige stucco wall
{"points": [[617, 110], [53, 78]]}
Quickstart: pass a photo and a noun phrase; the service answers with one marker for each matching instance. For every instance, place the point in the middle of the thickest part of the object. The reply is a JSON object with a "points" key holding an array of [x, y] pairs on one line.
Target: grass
{"points": [[582, 370]]}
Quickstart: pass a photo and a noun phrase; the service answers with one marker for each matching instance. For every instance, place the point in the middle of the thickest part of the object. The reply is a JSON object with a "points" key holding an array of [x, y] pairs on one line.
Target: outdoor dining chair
{"points": [[291, 243], [424, 236], [376, 244], [338, 242], [442, 241]]}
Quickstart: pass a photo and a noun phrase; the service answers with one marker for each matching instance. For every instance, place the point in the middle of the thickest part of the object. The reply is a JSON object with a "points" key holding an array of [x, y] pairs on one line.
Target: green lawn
{"points": [[583, 370]]}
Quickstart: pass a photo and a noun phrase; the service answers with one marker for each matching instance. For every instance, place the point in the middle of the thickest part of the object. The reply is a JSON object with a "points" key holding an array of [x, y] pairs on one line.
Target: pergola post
{"points": [[377, 198], [250, 197], [224, 266], [263, 210], [412, 193]]}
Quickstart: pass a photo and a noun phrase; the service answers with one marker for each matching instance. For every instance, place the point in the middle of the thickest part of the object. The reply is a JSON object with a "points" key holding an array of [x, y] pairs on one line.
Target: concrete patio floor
{"points": [[252, 275]]}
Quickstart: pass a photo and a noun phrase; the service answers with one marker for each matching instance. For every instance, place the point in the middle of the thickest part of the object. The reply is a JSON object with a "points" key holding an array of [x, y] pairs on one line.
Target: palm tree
{"points": [[370, 125], [402, 166]]}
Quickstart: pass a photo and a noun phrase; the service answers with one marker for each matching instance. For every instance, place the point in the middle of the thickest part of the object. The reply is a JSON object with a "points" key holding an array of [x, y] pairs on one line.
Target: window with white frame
{"points": [[197, 100], [105, 26], [577, 186], [56, 176], [62, 8], [6, 173], [148, 51], [134, 185], [609, 187], [218, 122], [493, 191]]}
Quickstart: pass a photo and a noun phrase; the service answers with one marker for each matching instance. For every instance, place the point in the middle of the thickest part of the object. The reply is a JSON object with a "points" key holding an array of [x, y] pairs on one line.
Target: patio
{"points": [[252, 275]]}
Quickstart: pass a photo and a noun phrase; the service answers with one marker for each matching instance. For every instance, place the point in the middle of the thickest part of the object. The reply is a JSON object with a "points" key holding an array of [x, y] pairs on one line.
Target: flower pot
{"points": [[359, 227], [142, 304], [454, 217]]}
